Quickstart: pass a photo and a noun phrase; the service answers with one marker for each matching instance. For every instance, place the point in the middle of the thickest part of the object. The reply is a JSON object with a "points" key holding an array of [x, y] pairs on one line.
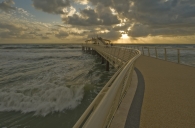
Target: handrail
{"points": [[101, 111], [152, 47], [165, 52]]}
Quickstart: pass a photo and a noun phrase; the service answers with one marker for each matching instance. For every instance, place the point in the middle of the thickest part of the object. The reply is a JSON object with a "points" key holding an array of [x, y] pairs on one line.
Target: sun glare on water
{"points": [[124, 36]]}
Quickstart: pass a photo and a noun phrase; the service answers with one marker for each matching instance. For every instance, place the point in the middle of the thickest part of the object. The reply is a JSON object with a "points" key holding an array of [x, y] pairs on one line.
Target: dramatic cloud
{"points": [[120, 6], [7, 5], [155, 17], [87, 17], [51, 6], [110, 19], [137, 18]]}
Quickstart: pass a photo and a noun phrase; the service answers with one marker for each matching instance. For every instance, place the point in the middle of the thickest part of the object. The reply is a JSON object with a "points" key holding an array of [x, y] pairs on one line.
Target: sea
{"points": [[47, 86]]}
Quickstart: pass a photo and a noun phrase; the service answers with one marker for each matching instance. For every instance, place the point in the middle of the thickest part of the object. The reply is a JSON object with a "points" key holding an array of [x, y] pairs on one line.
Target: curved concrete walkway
{"points": [[122, 112], [128, 113], [169, 97], [133, 118]]}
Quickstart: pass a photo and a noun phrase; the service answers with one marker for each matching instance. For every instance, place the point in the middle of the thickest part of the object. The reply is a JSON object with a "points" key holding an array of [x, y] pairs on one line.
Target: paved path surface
{"points": [[169, 97]]}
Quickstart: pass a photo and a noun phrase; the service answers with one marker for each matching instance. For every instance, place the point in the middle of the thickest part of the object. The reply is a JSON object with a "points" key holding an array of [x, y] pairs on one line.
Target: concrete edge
{"points": [[120, 117]]}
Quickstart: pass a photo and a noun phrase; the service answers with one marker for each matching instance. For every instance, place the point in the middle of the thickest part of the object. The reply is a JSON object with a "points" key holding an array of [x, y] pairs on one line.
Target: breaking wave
{"points": [[43, 81], [42, 100]]}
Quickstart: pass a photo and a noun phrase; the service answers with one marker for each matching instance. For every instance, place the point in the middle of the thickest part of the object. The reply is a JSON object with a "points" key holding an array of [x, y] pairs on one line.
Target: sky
{"points": [[74, 21]]}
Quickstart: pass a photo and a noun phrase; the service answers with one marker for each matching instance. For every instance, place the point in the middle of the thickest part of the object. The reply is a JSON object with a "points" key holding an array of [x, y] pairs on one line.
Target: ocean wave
{"points": [[42, 100], [43, 82], [44, 87]]}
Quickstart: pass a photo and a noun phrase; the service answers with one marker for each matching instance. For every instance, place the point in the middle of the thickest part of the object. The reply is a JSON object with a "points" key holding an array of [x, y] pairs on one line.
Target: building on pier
{"points": [[99, 41]]}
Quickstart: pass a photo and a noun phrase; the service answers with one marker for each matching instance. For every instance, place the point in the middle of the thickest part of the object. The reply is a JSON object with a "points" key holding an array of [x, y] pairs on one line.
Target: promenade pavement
{"points": [[169, 95]]}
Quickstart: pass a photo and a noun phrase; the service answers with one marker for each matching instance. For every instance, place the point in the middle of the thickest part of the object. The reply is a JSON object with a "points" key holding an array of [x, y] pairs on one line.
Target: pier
{"points": [[145, 92]]}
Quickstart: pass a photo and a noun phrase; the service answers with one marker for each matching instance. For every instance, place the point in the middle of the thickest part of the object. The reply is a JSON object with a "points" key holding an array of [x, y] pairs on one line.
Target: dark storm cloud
{"points": [[161, 12], [161, 17], [119, 5], [89, 17], [7, 5], [51, 6], [104, 2], [100, 16]]}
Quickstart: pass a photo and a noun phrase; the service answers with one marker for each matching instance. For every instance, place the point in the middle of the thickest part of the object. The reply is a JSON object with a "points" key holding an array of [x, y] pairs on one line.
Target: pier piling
{"points": [[102, 60], [107, 66]]}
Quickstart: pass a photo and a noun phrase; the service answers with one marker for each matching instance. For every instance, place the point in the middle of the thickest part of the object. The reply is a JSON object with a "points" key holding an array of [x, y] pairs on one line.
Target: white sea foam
{"points": [[29, 85], [42, 100]]}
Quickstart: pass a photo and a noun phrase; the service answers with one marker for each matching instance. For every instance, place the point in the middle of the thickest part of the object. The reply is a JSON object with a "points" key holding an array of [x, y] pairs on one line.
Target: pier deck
{"points": [[164, 93], [169, 94]]}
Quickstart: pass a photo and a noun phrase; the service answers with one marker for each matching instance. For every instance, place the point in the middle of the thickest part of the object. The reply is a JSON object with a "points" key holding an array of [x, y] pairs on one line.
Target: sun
{"points": [[125, 36]]}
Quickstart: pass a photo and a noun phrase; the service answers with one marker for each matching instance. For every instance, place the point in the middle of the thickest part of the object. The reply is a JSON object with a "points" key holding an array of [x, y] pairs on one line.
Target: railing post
{"points": [[148, 51], [178, 55], [156, 52], [165, 54]]}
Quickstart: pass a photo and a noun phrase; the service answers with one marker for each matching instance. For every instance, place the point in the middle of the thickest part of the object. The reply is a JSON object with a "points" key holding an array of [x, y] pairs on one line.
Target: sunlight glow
{"points": [[124, 36]]}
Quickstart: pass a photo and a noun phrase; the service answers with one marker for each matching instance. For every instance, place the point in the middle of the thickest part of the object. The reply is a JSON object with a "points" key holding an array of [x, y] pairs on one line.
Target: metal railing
{"points": [[179, 55], [117, 56], [101, 111]]}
